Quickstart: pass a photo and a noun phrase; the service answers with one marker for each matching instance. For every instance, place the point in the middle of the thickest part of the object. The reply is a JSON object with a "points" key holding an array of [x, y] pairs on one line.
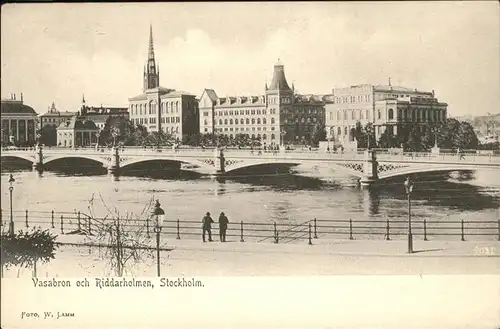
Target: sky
{"points": [[58, 52]]}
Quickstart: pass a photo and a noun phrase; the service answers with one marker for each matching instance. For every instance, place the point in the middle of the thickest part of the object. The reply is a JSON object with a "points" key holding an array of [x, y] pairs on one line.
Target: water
{"points": [[312, 192]]}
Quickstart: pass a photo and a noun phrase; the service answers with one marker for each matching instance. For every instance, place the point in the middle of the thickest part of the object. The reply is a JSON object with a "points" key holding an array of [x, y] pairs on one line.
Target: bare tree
{"points": [[122, 237]]}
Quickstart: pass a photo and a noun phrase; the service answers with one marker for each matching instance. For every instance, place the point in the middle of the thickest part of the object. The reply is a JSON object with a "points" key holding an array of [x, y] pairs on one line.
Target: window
{"points": [[379, 114], [253, 136], [339, 131], [230, 121], [272, 121], [253, 121], [176, 129], [303, 120], [264, 136], [264, 121], [390, 114], [248, 121], [345, 115], [205, 114], [258, 121], [176, 107], [264, 112], [220, 121], [205, 122], [273, 136], [235, 121], [225, 121], [345, 131]]}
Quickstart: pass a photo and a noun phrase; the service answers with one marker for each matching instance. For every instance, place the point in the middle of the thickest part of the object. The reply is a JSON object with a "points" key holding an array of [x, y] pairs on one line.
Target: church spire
{"points": [[151, 74], [151, 50]]}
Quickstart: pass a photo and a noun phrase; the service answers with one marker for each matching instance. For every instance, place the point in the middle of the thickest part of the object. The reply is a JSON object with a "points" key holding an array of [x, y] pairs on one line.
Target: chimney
{"points": [[21, 97], [14, 96]]}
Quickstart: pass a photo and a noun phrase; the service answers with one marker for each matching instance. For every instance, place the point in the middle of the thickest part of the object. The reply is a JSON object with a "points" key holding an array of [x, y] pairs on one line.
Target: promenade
{"points": [[324, 257]]}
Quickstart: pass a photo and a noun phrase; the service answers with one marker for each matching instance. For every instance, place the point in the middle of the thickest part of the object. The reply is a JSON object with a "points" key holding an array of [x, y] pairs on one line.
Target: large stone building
{"points": [[278, 116], [54, 117], [19, 122], [163, 109], [385, 106]]}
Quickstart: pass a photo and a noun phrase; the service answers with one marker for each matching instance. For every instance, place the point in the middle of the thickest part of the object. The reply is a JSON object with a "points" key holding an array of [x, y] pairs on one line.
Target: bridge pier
{"points": [[219, 162], [38, 163], [114, 163], [370, 169]]}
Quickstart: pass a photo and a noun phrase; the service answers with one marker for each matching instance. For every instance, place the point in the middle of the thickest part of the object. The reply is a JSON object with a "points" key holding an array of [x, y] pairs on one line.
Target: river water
{"points": [[307, 193]]}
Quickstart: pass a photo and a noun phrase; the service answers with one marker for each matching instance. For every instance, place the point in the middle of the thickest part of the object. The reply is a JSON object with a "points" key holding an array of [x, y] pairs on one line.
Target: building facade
{"points": [[385, 106], [278, 116], [162, 109], [77, 132], [100, 114], [19, 122], [54, 117]]}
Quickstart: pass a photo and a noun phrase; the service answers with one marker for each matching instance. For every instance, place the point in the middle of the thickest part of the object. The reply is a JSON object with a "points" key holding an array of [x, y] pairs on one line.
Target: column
{"points": [[17, 130], [26, 130]]}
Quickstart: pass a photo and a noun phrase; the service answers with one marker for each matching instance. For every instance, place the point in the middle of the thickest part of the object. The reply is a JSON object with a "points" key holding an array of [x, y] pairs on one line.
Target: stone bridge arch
{"points": [[103, 160], [204, 165], [24, 156], [404, 170]]}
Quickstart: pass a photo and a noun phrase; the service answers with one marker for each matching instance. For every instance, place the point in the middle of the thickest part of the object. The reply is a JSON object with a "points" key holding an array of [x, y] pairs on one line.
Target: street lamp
{"points": [[11, 188], [409, 189], [159, 216], [97, 135], [282, 134]]}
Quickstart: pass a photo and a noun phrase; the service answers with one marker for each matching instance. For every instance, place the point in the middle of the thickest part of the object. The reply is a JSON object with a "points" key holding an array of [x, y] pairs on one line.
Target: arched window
{"points": [[273, 136], [225, 121], [272, 120], [230, 121], [339, 131], [177, 129], [338, 115], [140, 109], [391, 114], [235, 121], [205, 123], [253, 136], [264, 121], [345, 131], [264, 136], [220, 121], [231, 136], [258, 121], [248, 121], [253, 121]]}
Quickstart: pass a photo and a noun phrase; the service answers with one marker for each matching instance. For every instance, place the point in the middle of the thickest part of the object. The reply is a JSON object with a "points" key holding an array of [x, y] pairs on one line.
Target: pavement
{"points": [[323, 257]]}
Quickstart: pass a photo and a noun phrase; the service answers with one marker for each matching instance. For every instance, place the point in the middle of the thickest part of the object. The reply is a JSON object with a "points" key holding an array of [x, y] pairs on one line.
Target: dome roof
{"points": [[11, 106]]}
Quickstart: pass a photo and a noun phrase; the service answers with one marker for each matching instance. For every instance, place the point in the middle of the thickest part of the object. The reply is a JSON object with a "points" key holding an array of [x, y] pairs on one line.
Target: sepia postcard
{"points": [[250, 165]]}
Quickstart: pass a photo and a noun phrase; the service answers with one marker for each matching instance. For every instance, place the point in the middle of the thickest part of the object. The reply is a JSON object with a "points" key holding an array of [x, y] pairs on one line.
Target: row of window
{"points": [[352, 99], [152, 120], [418, 114], [243, 129], [253, 136], [166, 107], [284, 100], [242, 112], [243, 121], [171, 130]]}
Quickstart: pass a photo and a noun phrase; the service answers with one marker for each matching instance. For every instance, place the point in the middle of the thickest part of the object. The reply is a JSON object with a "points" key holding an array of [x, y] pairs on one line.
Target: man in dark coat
{"points": [[207, 226], [223, 221]]}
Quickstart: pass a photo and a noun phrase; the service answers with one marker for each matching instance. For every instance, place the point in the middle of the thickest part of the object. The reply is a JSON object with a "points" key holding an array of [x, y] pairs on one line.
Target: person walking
{"points": [[223, 221], [207, 226]]}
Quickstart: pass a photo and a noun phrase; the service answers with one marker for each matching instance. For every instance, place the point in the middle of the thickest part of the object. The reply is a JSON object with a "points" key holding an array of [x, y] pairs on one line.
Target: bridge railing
{"points": [[267, 231]]}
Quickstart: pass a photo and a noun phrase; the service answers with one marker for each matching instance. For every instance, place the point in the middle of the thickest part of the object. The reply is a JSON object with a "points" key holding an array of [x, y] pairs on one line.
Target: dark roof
{"points": [[211, 94], [58, 114], [9, 106], [77, 124], [279, 80]]}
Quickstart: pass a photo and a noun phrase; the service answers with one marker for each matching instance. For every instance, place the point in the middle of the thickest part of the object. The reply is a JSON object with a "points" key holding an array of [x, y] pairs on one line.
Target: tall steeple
{"points": [[279, 81], [151, 75]]}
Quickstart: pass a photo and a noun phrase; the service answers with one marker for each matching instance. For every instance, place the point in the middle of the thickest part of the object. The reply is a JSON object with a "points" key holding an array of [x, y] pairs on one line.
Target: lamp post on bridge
{"points": [[97, 135], [282, 137], [159, 216], [11, 188], [409, 188]]}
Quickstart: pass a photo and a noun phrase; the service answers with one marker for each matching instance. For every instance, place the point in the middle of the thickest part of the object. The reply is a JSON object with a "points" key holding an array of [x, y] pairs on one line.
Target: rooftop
{"points": [[16, 107], [78, 124]]}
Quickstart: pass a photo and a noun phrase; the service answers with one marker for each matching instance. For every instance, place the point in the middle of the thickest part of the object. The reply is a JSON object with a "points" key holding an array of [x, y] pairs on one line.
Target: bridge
{"points": [[369, 165]]}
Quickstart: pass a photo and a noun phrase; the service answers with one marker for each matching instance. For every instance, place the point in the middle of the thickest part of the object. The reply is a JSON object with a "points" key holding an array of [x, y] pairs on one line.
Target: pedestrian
{"points": [[207, 226], [223, 221]]}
